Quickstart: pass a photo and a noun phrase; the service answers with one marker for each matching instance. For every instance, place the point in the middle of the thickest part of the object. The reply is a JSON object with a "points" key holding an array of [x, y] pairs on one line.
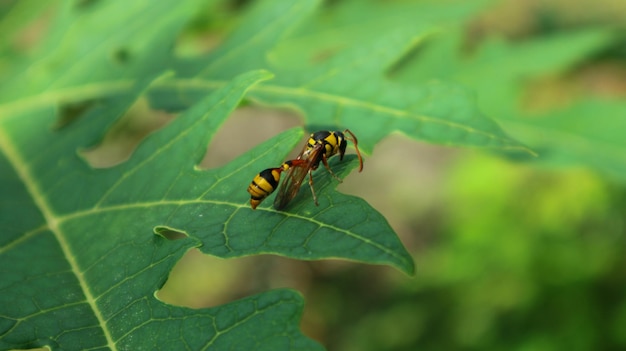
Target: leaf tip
{"points": [[261, 75]]}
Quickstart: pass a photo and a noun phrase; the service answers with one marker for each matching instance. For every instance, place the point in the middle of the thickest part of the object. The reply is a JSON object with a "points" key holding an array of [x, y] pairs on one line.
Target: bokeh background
{"points": [[512, 252]]}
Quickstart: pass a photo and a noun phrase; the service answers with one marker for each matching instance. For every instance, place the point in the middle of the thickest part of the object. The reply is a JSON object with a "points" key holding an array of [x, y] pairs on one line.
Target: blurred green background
{"points": [[513, 252]]}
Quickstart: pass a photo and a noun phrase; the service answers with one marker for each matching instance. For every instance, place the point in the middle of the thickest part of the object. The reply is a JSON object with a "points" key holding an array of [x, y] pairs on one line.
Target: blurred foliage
{"points": [[510, 81]]}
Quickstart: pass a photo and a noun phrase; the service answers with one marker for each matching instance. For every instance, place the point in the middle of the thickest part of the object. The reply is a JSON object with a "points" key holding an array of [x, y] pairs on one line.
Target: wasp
{"points": [[320, 147], [267, 180]]}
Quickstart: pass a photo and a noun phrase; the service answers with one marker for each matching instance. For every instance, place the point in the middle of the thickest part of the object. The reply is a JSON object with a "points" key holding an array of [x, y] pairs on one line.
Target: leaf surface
{"points": [[345, 90], [96, 263], [83, 255]]}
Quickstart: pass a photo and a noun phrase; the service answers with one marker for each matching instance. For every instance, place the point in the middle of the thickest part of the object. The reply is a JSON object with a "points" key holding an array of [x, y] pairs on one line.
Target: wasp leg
{"points": [[312, 188], [325, 161]]}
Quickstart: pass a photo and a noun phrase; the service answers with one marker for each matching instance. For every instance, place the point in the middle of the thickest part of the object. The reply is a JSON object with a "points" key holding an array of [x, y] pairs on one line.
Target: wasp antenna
{"points": [[356, 147]]}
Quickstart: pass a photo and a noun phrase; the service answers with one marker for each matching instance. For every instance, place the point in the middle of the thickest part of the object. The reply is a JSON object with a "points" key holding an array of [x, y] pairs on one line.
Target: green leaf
{"points": [[341, 25], [14, 17], [82, 250], [85, 249], [347, 89], [79, 260], [586, 132], [124, 43], [498, 70]]}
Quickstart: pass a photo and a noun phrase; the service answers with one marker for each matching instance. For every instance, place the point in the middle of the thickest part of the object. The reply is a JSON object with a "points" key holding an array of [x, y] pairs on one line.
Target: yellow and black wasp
{"points": [[319, 148]]}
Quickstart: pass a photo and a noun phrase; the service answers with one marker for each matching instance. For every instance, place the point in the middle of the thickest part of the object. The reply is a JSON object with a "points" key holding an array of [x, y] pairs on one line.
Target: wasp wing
{"points": [[295, 175]]}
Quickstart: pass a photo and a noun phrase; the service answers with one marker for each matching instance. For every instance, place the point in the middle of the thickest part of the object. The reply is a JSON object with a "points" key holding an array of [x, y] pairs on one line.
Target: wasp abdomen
{"points": [[263, 185]]}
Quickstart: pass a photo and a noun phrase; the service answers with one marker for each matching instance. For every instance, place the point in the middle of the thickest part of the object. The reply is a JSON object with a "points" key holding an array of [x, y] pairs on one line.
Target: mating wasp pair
{"points": [[319, 148]]}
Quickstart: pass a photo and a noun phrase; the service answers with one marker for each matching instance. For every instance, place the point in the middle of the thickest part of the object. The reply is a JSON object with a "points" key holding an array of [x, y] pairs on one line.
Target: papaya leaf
{"points": [[80, 265], [584, 132], [346, 90], [499, 70], [588, 132], [85, 249], [341, 25], [124, 42]]}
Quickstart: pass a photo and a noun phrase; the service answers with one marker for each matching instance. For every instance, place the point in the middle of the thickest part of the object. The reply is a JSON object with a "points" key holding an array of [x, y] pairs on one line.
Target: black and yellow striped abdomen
{"points": [[263, 185]]}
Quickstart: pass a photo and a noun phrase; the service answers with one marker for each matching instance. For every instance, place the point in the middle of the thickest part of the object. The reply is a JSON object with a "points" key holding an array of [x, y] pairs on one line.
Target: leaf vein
{"points": [[33, 188]]}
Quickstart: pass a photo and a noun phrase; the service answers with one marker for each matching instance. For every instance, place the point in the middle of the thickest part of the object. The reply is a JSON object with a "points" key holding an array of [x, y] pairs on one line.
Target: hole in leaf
{"points": [[70, 111], [124, 136], [240, 4], [170, 233], [122, 56], [199, 280], [85, 4], [244, 129]]}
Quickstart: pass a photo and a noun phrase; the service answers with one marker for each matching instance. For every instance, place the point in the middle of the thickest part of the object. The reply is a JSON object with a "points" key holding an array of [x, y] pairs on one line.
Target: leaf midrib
{"points": [[53, 222]]}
